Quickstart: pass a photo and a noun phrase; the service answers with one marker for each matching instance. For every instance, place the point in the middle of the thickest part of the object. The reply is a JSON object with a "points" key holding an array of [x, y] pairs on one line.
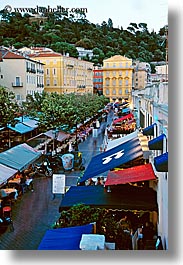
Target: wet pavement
{"points": [[36, 212]]}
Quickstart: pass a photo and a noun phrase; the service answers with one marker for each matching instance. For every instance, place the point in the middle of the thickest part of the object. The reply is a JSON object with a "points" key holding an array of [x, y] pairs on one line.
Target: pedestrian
{"points": [[90, 182], [99, 182], [101, 148], [97, 124]]}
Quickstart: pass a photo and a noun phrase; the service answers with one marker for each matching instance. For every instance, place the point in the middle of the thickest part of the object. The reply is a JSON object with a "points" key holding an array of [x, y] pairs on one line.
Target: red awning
{"points": [[129, 116], [133, 174]]}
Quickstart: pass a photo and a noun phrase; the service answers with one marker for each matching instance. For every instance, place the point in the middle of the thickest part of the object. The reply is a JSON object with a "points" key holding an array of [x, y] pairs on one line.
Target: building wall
{"points": [[15, 77], [65, 74], [117, 78], [153, 103], [98, 79], [141, 74]]}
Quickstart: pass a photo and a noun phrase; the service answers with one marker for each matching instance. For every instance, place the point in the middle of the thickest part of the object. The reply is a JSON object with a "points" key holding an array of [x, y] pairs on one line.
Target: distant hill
{"points": [[63, 32]]}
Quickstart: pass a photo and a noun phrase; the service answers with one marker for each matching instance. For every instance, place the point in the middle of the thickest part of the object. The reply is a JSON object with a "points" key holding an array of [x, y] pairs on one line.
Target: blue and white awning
{"points": [[114, 157]]}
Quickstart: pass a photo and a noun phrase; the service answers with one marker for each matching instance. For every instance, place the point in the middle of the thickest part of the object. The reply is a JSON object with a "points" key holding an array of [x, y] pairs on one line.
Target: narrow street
{"points": [[37, 211]]}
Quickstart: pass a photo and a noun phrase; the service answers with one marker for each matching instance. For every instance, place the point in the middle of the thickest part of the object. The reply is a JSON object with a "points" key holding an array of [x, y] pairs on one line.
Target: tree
{"points": [[8, 108]]}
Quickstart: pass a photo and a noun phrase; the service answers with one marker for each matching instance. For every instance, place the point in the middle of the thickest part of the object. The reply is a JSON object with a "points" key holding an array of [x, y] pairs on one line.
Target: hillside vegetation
{"points": [[63, 32]]}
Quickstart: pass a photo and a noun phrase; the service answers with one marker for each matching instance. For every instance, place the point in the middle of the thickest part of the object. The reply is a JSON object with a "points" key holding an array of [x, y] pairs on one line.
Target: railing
{"points": [[19, 84]]}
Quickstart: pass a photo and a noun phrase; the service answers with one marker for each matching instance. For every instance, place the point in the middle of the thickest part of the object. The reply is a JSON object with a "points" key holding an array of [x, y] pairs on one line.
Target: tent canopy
{"points": [[62, 136], [112, 158], [64, 238], [133, 174], [6, 173], [19, 157], [126, 197], [20, 128]]}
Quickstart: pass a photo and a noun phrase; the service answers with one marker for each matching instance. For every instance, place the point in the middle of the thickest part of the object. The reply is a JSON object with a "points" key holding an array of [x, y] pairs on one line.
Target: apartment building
{"points": [[141, 75], [64, 74], [151, 105], [20, 74], [117, 78], [98, 79]]}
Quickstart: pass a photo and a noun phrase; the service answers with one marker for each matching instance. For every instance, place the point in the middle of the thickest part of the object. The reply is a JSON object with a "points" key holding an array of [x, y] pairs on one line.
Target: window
{"points": [[126, 82], [47, 82], [54, 71], [55, 82], [126, 72], [126, 91], [17, 81], [120, 91], [114, 65], [120, 82], [114, 82], [47, 71], [107, 91], [107, 82], [1, 76], [114, 91]]}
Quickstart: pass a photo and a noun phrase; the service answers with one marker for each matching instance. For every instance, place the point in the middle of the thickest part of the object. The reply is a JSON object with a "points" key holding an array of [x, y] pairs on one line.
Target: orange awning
{"points": [[132, 174]]}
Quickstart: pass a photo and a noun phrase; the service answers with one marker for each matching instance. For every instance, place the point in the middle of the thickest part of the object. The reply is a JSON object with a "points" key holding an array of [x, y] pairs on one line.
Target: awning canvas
{"points": [[157, 143], [132, 174], [161, 162], [149, 130], [6, 173], [127, 197], [129, 116], [64, 238], [20, 128], [19, 157], [28, 121], [114, 157], [62, 136], [118, 141]]}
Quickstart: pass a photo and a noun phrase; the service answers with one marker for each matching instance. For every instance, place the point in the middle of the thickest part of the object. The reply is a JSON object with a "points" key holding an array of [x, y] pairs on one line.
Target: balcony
{"points": [[70, 65], [18, 84]]}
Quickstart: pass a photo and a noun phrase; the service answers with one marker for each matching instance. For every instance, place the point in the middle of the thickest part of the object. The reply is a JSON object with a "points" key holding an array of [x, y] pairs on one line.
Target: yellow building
{"points": [[117, 78], [64, 74]]}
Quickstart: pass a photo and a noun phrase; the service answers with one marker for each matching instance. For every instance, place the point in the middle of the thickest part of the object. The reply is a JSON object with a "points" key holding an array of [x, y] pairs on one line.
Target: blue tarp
{"points": [[112, 158], [157, 143], [21, 128], [19, 157], [161, 162], [149, 130], [64, 238]]}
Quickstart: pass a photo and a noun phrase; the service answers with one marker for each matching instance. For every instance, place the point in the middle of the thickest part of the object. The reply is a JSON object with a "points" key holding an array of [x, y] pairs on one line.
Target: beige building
{"points": [[141, 76], [64, 74], [20, 74], [117, 78]]}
